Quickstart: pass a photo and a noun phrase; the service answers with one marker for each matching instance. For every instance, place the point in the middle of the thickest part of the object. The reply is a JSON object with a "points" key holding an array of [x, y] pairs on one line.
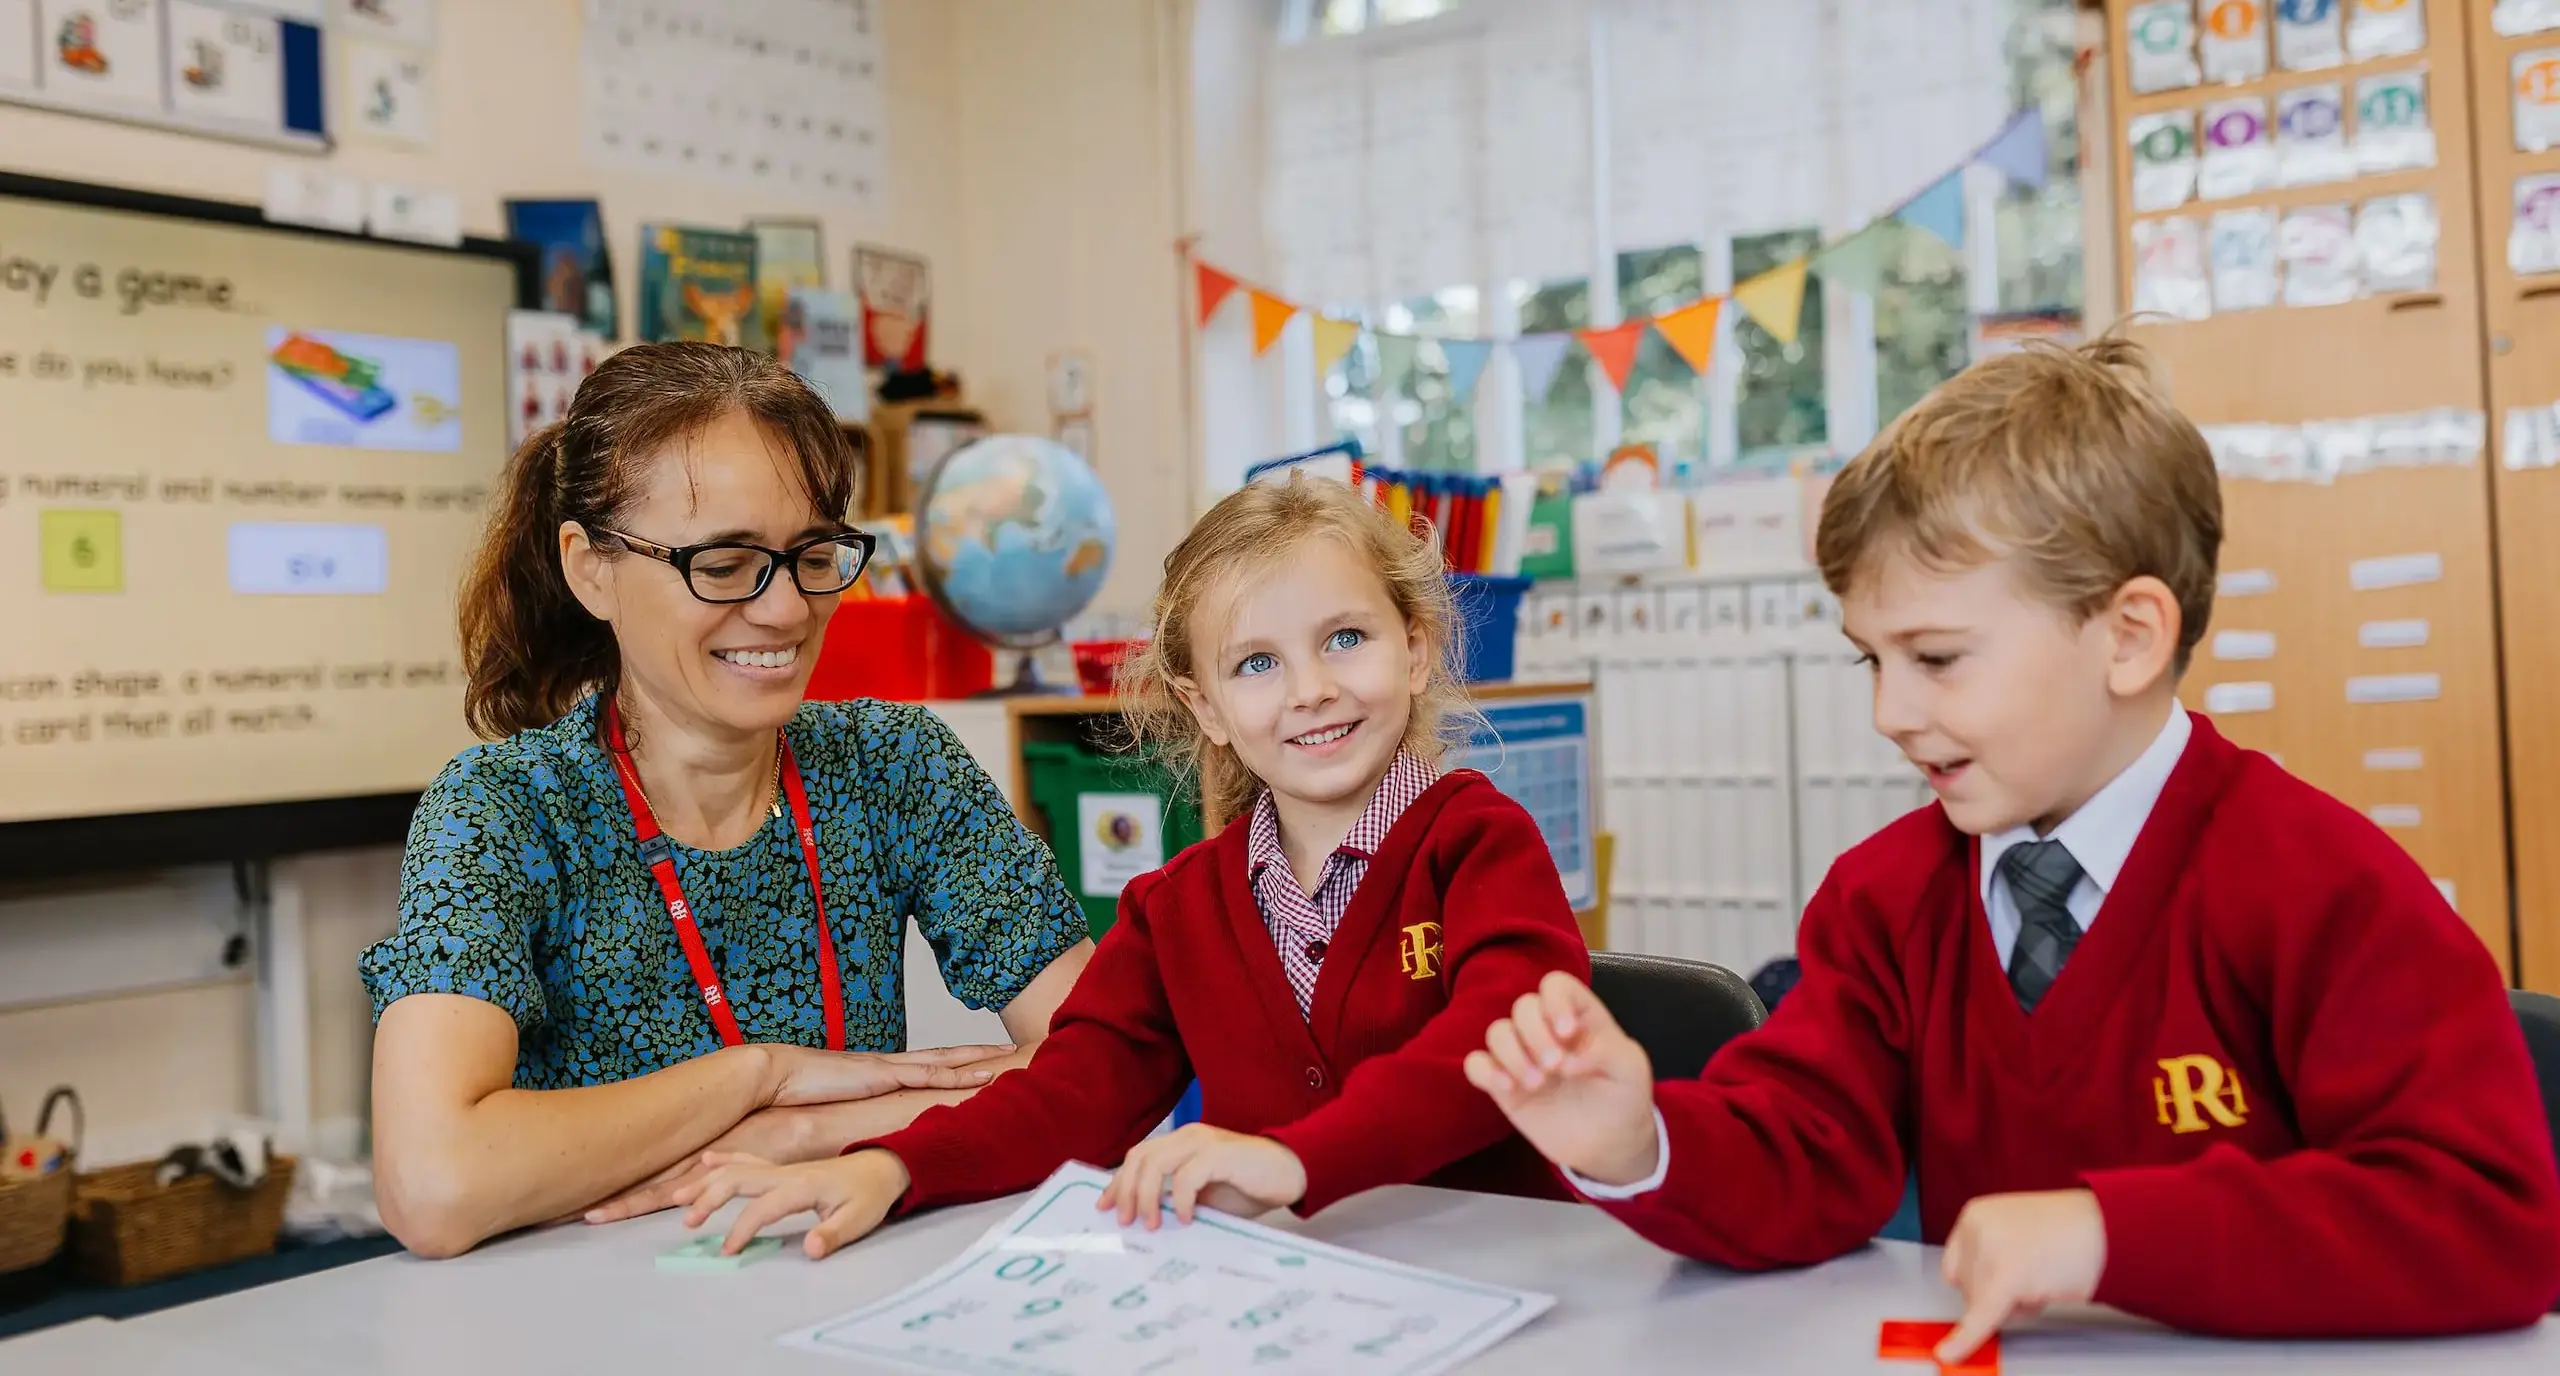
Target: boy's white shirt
{"points": [[2099, 836]]}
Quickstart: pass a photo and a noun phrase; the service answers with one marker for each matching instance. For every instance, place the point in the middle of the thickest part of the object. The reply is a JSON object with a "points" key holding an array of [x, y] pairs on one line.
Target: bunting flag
{"points": [[1691, 331], [1615, 347], [1395, 362], [1334, 338], [1775, 298], [2018, 151], [1940, 209], [1271, 315], [1214, 286], [1539, 356], [1855, 264], [1467, 358]]}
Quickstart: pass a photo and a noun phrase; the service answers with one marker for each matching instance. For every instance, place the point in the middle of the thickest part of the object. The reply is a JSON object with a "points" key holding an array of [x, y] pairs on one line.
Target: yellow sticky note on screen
{"points": [[83, 550]]}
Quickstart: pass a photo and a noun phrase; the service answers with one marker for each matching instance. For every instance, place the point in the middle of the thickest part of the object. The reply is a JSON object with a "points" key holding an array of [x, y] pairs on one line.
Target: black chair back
{"points": [[1680, 1011], [2540, 1016]]}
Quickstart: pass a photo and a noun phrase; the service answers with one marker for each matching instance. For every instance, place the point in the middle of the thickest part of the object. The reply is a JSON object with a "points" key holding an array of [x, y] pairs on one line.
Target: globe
{"points": [[1013, 536]]}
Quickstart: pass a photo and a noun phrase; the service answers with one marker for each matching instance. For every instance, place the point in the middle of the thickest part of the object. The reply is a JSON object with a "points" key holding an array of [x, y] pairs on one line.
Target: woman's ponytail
{"points": [[528, 648]]}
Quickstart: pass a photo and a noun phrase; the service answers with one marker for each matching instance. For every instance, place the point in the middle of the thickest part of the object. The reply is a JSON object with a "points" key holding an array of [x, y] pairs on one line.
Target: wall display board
{"points": [[2356, 633], [237, 69]]}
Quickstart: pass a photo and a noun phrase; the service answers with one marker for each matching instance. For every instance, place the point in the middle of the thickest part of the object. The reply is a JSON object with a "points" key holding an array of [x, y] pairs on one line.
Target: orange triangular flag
{"points": [[1214, 286], [1270, 316], [1615, 347], [1691, 331], [1334, 338]]}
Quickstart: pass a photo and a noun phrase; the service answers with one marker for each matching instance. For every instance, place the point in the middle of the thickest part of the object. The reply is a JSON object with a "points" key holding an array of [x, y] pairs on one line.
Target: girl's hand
{"points": [[772, 1134], [1225, 1170], [1579, 1088], [850, 1195], [803, 1075]]}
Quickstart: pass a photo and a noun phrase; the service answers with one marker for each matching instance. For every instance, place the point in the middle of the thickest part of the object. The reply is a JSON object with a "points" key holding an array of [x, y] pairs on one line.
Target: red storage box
{"points": [[899, 648], [1098, 663]]}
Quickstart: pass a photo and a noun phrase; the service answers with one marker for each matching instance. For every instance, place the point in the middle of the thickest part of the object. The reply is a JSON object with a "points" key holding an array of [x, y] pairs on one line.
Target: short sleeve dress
{"points": [[522, 885]]}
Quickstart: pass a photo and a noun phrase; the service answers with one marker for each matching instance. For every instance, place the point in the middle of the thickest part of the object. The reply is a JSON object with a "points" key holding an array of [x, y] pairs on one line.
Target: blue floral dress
{"points": [[522, 885]]}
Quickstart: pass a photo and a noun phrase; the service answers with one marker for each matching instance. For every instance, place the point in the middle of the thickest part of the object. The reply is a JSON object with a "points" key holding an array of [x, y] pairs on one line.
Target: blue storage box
{"points": [[1488, 624]]}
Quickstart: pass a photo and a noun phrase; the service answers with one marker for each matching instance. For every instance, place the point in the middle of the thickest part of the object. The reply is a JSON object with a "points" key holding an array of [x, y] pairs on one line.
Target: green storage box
{"points": [[1111, 818]]}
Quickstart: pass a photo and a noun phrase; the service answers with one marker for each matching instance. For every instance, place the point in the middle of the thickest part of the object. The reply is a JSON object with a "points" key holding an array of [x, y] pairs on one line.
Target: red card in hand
{"points": [[1917, 1340]]}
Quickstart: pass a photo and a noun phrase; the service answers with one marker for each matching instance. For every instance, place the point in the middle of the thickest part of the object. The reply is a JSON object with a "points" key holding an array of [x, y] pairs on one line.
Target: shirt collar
{"points": [[2101, 834], [1407, 778]]}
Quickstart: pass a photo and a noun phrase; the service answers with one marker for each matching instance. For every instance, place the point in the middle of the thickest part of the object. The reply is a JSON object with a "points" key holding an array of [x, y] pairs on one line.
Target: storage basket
{"points": [[34, 1212], [127, 1228]]}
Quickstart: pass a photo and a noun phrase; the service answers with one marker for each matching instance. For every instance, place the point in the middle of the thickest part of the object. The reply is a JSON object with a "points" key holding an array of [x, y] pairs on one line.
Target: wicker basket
{"points": [[126, 1228], [33, 1212]]}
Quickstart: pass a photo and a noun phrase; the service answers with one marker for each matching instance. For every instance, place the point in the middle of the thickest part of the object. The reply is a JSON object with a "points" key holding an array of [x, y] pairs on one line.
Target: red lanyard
{"points": [[660, 857]]}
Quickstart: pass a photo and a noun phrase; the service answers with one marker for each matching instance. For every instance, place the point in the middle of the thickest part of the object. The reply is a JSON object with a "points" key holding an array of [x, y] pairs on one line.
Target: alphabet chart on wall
{"points": [[1061, 1289]]}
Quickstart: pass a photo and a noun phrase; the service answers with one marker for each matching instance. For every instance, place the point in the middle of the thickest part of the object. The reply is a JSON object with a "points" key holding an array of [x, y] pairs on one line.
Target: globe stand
{"points": [[1027, 682]]}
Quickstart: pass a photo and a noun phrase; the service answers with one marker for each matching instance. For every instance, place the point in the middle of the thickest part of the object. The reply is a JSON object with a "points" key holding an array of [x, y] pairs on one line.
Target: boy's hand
{"points": [[1575, 1085], [2013, 1254], [1204, 1165], [850, 1195]]}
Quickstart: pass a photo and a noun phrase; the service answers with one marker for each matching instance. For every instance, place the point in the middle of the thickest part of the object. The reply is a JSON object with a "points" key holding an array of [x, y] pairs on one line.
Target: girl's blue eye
{"points": [[1345, 639], [1256, 664]]}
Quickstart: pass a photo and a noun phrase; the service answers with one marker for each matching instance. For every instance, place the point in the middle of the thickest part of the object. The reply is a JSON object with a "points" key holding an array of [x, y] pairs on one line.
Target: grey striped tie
{"points": [[2041, 875]]}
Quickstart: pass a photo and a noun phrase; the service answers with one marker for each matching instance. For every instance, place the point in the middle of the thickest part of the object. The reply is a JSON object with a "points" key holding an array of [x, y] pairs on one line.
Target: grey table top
{"points": [[591, 1299]]}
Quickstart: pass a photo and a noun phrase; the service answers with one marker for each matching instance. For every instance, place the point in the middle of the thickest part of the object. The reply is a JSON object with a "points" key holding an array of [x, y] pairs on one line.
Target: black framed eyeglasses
{"points": [[725, 571]]}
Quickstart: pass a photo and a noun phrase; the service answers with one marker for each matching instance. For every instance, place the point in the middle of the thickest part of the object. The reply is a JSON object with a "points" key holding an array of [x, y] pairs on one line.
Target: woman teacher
{"points": [[663, 908]]}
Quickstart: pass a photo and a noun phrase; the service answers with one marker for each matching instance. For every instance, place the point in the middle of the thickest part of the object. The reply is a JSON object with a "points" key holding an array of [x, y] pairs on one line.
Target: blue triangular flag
{"points": [[1940, 209], [1539, 355], [1466, 364], [2018, 153]]}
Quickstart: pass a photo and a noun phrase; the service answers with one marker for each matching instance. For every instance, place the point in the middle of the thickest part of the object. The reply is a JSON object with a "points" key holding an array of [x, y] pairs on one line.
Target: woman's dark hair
{"points": [[529, 650]]}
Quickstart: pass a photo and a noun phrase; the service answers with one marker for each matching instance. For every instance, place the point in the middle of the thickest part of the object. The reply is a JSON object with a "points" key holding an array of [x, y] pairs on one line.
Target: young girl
{"points": [[1322, 966]]}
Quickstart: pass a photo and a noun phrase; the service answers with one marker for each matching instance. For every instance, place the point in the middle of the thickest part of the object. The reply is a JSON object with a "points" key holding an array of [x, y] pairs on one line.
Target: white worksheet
{"points": [[1060, 1289]]}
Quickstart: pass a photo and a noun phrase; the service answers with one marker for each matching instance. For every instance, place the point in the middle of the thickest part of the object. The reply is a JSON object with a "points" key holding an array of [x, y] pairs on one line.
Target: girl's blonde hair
{"points": [[1250, 531]]}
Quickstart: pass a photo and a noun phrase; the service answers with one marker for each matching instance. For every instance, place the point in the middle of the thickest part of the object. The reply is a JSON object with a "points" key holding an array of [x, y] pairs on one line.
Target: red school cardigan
{"points": [[1460, 913]]}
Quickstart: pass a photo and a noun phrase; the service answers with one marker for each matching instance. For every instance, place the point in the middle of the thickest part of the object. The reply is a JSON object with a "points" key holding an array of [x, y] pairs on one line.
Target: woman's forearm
{"points": [[449, 1180]]}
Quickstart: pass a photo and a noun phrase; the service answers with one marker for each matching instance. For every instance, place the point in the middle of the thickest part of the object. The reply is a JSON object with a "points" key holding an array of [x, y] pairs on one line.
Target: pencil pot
{"points": [[35, 1186], [1488, 608]]}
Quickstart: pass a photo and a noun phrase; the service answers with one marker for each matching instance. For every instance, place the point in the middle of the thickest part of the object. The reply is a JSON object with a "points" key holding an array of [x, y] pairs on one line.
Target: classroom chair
{"points": [[1679, 1011], [2540, 1016]]}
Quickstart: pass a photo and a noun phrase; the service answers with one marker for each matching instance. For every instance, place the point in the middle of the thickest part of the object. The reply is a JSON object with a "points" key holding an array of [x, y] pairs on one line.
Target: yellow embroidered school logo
{"points": [[2191, 1089], [1421, 950]]}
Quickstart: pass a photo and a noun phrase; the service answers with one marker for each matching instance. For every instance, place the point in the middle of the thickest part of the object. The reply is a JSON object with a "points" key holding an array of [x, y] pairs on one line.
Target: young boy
{"points": [[2155, 1023]]}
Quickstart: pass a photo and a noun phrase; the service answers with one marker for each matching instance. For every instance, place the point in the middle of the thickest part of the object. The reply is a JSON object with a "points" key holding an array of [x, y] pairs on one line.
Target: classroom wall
{"points": [[1030, 159]]}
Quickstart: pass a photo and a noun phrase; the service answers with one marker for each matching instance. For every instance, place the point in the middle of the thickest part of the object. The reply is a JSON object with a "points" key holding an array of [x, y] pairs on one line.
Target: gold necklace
{"points": [[777, 773]]}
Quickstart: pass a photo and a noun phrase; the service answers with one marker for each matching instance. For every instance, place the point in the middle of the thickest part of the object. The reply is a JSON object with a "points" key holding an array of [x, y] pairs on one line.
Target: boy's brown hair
{"points": [[2069, 458]]}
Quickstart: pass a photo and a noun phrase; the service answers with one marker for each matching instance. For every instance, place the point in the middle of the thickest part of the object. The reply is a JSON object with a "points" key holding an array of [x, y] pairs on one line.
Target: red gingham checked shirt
{"points": [[1301, 923]]}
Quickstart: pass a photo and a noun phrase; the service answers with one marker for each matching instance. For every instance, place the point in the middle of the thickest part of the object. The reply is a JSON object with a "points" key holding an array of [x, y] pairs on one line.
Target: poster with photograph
{"points": [[577, 263], [789, 256]]}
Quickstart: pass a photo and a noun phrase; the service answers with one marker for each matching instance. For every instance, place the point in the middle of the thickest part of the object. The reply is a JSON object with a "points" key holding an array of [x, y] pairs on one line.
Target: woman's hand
{"points": [[802, 1075], [1233, 1171], [850, 1195]]}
